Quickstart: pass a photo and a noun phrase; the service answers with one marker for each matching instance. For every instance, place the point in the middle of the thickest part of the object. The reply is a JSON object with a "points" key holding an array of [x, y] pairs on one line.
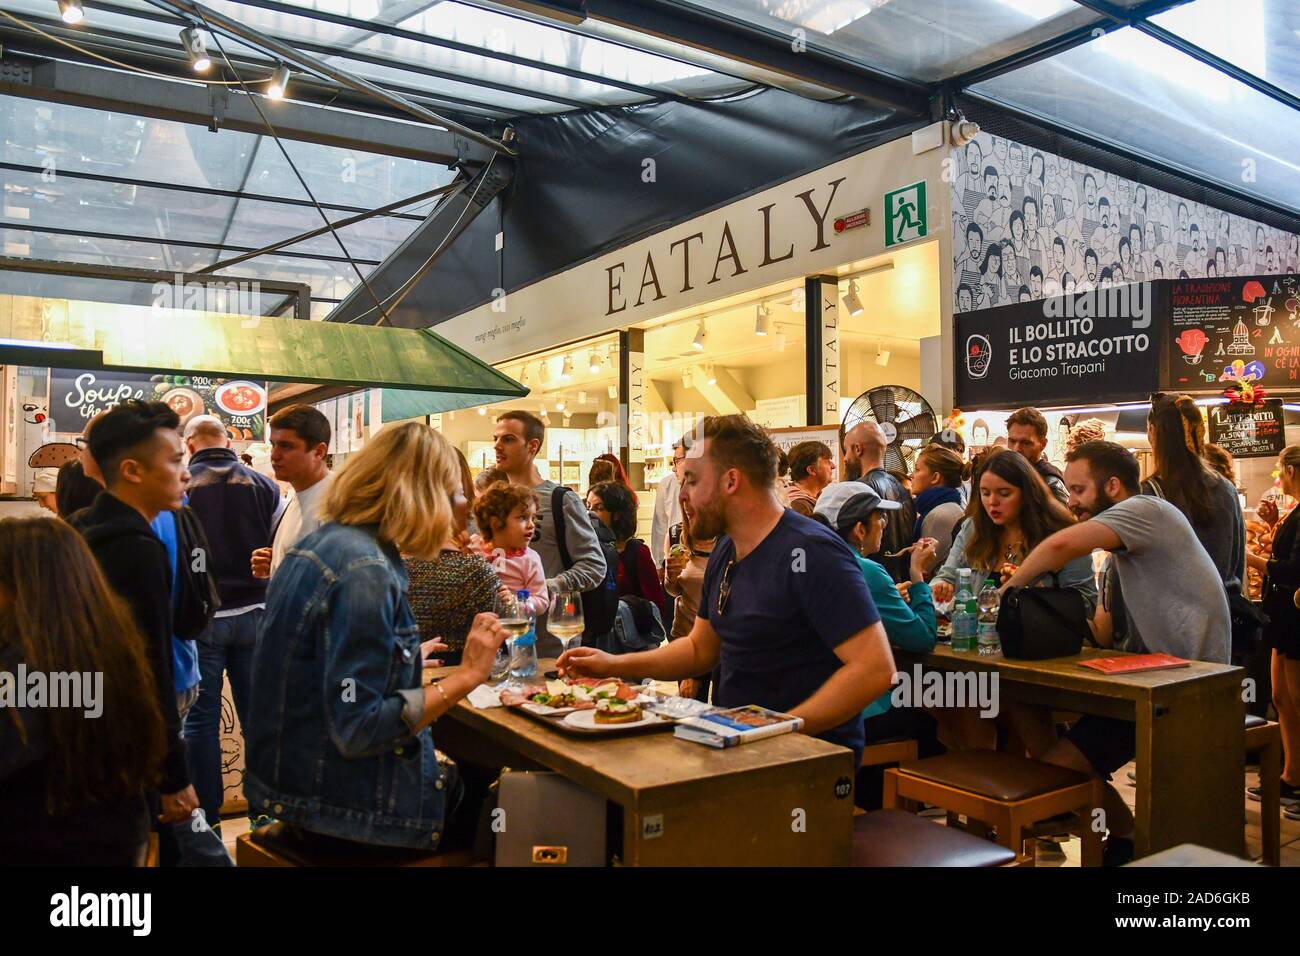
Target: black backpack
{"points": [[599, 605], [197, 598]]}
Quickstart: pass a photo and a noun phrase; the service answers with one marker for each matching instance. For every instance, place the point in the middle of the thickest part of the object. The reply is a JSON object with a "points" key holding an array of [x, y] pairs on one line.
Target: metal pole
{"points": [[237, 31]]}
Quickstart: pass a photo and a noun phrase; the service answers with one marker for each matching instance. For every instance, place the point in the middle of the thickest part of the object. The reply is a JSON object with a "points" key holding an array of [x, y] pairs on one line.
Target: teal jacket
{"points": [[910, 627]]}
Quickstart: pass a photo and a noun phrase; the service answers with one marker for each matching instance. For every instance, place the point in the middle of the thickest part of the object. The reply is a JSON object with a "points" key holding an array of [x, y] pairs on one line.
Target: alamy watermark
{"points": [[77, 690], [234, 297], [934, 689]]}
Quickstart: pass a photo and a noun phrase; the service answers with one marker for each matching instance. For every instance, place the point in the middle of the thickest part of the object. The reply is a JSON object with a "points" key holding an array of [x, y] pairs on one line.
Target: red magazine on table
{"points": [[1134, 663]]}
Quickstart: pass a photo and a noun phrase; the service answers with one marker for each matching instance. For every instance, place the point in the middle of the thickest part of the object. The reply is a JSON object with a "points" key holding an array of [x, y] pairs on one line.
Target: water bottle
{"points": [[987, 632], [963, 613], [523, 648]]}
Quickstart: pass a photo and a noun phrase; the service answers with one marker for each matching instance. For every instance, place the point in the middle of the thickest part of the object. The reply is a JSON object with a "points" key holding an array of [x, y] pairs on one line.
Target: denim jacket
{"points": [[327, 748]]}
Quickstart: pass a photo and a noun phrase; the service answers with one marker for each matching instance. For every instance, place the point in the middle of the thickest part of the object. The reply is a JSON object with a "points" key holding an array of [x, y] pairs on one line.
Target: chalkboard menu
{"points": [[1215, 323], [1246, 431], [1099, 346], [77, 395]]}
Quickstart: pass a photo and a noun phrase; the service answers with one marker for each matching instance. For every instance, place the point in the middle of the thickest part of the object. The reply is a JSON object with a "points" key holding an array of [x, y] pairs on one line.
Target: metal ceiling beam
{"points": [[201, 190], [61, 81], [392, 30], [763, 48], [219, 23], [407, 265], [1138, 21]]}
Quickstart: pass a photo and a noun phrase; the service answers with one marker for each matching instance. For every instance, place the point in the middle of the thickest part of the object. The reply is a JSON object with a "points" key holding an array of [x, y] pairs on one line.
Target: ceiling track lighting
{"points": [[594, 362], [700, 335], [882, 354], [612, 391], [523, 375], [710, 375], [279, 82], [566, 372], [568, 416], [544, 372], [482, 409], [763, 324], [559, 405], [582, 398], [196, 49], [687, 380], [852, 301], [70, 12]]}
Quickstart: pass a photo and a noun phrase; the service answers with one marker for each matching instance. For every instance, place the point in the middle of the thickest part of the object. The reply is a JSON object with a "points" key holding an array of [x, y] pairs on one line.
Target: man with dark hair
{"points": [[236, 507], [811, 470], [136, 450], [1174, 601], [864, 460], [300, 438], [1027, 434], [784, 610], [518, 439]]}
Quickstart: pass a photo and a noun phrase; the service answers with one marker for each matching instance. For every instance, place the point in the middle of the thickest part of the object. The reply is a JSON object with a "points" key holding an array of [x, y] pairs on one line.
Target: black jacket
{"points": [[1055, 480], [1283, 580], [134, 561], [235, 505], [898, 532]]}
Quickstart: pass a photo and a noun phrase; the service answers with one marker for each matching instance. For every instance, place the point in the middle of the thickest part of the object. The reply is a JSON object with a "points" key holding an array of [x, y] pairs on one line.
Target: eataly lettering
{"points": [[679, 254]]}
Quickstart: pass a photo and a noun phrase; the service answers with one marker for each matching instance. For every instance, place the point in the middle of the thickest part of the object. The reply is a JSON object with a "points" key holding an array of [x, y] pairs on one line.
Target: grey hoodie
{"points": [[588, 570]]}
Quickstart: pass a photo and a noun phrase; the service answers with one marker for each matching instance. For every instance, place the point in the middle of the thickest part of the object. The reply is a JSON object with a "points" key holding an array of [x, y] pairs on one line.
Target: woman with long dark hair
{"points": [[1011, 512], [613, 504], [1181, 476], [73, 776]]}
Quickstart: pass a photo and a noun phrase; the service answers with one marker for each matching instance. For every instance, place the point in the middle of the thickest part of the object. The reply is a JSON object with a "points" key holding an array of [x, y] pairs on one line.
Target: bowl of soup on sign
{"points": [[241, 398], [185, 402]]}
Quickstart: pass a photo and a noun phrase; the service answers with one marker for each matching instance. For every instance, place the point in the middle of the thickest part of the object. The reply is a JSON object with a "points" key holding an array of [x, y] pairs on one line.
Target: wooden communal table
{"points": [[1190, 736], [781, 801]]}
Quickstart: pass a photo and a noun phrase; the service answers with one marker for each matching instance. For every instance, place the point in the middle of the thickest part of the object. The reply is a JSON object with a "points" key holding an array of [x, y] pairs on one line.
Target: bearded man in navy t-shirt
{"points": [[785, 611]]}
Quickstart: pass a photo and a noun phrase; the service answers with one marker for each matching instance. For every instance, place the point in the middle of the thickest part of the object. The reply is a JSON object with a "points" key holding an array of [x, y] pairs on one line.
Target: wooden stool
{"points": [[894, 838], [1001, 790], [886, 752], [1264, 737], [276, 845]]}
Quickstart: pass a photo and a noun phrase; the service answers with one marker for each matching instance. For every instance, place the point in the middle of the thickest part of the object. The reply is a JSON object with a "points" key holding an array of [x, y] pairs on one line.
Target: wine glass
{"points": [[513, 615], [566, 621]]}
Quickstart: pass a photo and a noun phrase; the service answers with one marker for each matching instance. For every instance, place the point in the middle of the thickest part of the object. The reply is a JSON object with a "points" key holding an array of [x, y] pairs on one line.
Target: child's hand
{"points": [[505, 593]]}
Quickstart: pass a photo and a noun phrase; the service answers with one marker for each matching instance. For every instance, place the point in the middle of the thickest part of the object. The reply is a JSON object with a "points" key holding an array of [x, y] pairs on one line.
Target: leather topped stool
{"points": [[1264, 737], [278, 845], [895, 838], [1002, 790]]}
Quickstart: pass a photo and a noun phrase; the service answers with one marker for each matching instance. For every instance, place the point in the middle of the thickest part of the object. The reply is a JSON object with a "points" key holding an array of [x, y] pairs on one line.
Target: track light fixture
{"points": [[612, 391], [566, 373], [687, 380], [568, 416], [882, 354], [544, 372], [196, 49], [279, 82], [523, 375], [709, 375], [482, 409], [763, 324], [559, 405], [852, 301], [700, 334], [594, 362], [70, 11]]}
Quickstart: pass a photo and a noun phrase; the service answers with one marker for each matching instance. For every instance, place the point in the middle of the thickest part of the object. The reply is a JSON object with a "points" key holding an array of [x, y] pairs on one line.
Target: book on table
{"points": [[736, 725], [1135, 663]]}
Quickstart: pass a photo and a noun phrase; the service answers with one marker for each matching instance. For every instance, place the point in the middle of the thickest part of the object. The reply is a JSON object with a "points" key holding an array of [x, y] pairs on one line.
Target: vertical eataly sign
{"points": [[822, 320]]}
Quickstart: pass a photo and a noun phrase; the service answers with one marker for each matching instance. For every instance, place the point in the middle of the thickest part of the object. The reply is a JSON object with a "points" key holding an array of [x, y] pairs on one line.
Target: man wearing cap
{"points": [[236, 507], [43, 487], [860, 517]]}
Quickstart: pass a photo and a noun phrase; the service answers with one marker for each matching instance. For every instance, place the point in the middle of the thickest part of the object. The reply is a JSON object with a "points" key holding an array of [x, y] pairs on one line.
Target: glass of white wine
{"points": [[512, 613], [565, 620]]}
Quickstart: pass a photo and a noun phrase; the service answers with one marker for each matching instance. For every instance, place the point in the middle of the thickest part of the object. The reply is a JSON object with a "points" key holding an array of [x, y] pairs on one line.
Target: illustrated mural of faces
{"points": [[1046, 220]]}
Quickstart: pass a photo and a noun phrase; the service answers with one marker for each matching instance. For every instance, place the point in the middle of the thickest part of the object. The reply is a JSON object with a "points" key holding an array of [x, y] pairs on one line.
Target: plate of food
{"points": [[185, 402], [241, 398], [612, 714]]}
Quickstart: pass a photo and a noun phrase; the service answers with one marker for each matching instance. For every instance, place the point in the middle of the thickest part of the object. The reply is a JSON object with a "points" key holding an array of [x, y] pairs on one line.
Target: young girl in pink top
{"points": [[506, 515]]}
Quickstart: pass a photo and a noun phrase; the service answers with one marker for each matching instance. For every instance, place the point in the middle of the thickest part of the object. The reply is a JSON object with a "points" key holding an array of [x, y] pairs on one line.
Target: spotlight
{"points": [[71, 12], [612, 391], [192, 41], [852, 300], [279, 82], [567, 418], [764, 322], [687, 381], [582, 398], [709, 375], [559, 405], [542, 412], [778, 342], [566, 373], [523, 375], [700, 334], [593, 362], [482, 409], [544, 372], [882, 354], [798, 300]]}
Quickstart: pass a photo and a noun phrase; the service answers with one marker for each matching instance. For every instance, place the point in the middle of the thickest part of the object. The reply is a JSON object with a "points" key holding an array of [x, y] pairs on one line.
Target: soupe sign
{"points": [[1096, 346]]}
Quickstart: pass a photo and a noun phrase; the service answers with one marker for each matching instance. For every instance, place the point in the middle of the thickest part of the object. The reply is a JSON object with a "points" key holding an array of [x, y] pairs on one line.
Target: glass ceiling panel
{"points": [[1261, 37], [94, 289], [924, 40], [104, 252], [1131, 90]]}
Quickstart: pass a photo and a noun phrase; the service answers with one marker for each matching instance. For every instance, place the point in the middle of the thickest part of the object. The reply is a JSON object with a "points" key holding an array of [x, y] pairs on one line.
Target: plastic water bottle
{"points": [[987, 632], [963, 613], [523, 649]]}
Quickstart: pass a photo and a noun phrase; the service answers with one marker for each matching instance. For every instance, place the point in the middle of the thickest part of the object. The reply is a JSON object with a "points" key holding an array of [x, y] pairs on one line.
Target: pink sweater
{"points": [[522, 570]]}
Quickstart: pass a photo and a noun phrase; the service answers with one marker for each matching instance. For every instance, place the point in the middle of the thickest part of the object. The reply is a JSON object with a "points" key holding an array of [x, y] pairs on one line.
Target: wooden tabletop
{"points": [[624, 767], [1066, 674]]}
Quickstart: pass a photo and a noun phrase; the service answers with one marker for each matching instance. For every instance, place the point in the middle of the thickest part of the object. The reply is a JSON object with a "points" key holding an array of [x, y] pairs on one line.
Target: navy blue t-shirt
{"points": [[793, 600]]}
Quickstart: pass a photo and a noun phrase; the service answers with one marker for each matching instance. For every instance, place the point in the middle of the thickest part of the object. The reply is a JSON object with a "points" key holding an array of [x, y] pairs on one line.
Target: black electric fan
{"points": [[903, 415]]}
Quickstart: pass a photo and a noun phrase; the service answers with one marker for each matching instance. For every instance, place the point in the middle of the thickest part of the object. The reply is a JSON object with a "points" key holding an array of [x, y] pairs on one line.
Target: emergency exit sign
{"points": [[905, 217]]}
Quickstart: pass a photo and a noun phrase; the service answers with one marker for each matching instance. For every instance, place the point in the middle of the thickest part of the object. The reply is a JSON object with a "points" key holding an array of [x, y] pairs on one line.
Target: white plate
{"points": [[586, 720]]}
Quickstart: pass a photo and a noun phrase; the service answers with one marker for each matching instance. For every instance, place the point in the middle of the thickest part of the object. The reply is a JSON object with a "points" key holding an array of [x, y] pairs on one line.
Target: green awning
{"points": [[132, 338], [401, 405]]}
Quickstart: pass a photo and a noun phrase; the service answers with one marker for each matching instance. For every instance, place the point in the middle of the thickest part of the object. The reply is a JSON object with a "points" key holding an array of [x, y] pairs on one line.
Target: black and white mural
{"points": [[1028, 224]]}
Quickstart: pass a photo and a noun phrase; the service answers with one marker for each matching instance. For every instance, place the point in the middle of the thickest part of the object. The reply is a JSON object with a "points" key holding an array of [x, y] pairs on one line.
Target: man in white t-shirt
{"points": [[300, 437]]}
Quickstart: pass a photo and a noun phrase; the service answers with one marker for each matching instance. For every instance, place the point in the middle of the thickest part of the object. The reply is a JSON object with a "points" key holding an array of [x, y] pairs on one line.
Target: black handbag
{"points": [[1035, 623]]}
